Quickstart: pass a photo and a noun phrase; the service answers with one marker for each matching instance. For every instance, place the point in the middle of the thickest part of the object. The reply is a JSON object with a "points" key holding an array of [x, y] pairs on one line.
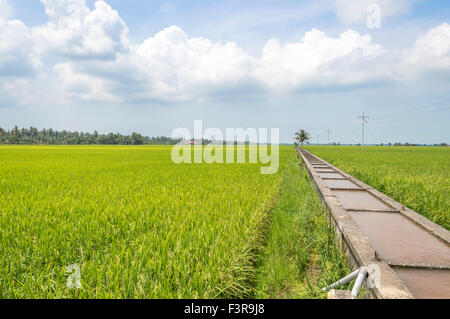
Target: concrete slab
{"points": [[311, 158], [398, 239], [339, 294], [331, 175], [426, 284], [340, 184], [359, 200], [324, 170]]}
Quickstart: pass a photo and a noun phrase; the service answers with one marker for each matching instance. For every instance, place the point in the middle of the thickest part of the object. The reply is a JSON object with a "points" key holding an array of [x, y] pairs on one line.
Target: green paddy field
{"points": [[140, 226]]}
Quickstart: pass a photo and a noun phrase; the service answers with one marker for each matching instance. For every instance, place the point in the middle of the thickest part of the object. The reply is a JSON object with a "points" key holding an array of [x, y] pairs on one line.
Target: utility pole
{"points": [[317, 136], [329, 133], [364, 119]]}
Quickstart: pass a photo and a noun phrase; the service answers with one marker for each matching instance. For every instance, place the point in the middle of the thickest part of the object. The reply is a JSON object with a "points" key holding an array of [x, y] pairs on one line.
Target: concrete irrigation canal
{"points": [[410, 253]]}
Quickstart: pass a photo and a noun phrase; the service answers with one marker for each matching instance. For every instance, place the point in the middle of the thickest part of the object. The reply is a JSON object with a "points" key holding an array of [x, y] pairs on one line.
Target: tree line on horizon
{"points": [[301, 137], [34, 136]]}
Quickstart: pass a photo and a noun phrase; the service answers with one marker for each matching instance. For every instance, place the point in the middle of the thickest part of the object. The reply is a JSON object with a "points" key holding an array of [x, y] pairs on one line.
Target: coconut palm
{"points": [[302, 136]]}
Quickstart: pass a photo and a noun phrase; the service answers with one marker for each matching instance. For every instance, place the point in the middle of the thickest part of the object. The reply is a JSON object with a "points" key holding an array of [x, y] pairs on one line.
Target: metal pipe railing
{"points": [[360, 274], [343, 281]]}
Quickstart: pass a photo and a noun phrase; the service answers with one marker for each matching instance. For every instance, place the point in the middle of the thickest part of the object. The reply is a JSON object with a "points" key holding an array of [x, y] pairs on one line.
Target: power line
{"points": [[364, 119], [412, 109], [415, 115], [438, 110]]}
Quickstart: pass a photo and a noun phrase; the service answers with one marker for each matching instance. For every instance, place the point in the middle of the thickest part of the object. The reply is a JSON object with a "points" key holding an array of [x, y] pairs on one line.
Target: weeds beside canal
{"points": [[301, 255]]}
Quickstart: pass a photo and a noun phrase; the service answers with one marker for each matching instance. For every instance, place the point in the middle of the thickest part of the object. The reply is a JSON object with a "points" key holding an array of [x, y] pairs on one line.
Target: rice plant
{"points": [[138, 225]]}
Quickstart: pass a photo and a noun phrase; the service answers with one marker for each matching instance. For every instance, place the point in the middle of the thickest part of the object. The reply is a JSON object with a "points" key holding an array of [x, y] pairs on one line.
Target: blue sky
{"points": [[153, 66]]}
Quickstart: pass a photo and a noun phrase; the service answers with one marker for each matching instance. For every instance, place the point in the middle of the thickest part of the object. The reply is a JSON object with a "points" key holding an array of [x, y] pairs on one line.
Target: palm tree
{"points": [[302, 136]]}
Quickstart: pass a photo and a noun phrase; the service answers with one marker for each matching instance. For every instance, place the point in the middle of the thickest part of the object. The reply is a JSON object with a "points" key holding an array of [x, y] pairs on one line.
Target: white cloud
{"points": [[430, 54], [76, 32], [82, 86], [16, 55], [180, 65], [98, 63], [171, 67], [355, 11], [18, 63], [318, 61], [433, 46], [59, 10], [167, 67], [6, 11]]}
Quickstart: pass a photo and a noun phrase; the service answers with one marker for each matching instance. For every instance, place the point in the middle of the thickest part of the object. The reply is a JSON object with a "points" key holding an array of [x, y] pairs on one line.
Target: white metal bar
{"points": [[362, 276], [343, 281]]}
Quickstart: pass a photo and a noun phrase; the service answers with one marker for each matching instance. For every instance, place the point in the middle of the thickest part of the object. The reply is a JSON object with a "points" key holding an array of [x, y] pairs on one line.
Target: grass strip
{"points": [[301, 256]]}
